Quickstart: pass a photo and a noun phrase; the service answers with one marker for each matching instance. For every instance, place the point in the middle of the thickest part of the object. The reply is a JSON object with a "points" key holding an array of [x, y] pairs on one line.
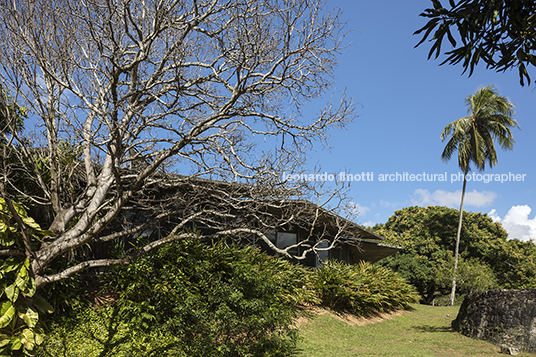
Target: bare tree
{"points": [[127, 92]]}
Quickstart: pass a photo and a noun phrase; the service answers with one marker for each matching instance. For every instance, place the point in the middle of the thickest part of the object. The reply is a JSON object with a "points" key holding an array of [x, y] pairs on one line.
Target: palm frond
{"points": [[490, 119]]}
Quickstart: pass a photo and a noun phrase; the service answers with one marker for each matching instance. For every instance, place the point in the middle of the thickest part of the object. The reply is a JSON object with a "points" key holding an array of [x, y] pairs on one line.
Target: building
{"points": [[269, 217]]}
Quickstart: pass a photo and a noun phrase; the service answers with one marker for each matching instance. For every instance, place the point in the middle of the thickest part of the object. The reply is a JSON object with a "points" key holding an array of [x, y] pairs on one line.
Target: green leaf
{"points": [[22, 282], [6, 238], [7, 313], [28, 339], [4, 340], [12, 292], [15, 343], [29, 222], [10, 265], [38, 339], [31, 287], [30, 317], [23, 272], [521, 55]]}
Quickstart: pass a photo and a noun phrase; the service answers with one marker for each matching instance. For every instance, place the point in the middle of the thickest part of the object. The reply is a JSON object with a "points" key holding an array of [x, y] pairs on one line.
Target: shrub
{"points": [[362, 288], [474, 275], [197, 300]]}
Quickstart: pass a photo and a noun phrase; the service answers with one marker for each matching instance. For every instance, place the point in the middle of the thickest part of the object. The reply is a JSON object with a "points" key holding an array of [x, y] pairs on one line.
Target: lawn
{"points": [[422, 331]]}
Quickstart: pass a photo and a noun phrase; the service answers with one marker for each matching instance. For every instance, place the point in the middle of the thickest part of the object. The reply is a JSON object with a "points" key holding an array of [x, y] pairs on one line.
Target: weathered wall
{"points": [[502, 317]]}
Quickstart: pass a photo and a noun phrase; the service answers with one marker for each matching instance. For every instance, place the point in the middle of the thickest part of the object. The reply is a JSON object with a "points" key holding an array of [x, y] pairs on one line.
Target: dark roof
{"points": [[372, 251], [352, 229], [365, 244]]}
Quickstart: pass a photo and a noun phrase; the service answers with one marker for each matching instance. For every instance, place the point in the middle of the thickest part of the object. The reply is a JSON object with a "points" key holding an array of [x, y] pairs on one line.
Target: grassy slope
{"points": [[424, 331]]}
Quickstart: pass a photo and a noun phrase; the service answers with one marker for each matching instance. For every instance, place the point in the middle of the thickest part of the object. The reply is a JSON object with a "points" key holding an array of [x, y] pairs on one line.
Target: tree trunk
{"points": [[456, 249]]}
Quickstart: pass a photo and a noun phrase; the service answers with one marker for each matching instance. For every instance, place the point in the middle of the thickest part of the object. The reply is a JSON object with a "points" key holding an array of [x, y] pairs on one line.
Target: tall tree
{"points": [[490, 119], [129, 91], [500, 33]]}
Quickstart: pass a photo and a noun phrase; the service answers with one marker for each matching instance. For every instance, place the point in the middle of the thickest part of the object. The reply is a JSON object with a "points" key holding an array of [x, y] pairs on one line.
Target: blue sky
{"points": [[403, 102]]}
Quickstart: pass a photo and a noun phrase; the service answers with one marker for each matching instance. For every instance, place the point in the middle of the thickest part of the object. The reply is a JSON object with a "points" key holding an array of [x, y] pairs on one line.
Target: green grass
{"points": [[423, 331]]}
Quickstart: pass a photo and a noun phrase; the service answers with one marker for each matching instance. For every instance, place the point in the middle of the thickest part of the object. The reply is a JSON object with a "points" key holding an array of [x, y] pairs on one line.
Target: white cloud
{"points": [[452, 199], [494, 216], [356, 209], [368, 224], [388, 204], [517, 222]]}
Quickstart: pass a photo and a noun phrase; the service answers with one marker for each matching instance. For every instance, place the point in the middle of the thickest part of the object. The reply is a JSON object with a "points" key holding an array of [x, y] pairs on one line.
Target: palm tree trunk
{"points": [[456, 249]]}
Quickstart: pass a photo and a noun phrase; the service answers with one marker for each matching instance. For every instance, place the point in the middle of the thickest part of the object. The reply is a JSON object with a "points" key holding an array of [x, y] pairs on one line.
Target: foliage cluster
{"points": [[500, 33], [516, 265], [487, 259], [19, 331], [189, 299], [194, 299], [362, 288]]}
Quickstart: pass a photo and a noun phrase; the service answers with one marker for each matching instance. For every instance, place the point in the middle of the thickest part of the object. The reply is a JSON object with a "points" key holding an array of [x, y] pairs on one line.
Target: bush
{"points": [[196, 300], [473, 276], [362, 288]]}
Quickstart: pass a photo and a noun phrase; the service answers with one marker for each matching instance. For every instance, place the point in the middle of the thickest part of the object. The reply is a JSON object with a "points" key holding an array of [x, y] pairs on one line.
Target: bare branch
{"points": [[170, 117]]}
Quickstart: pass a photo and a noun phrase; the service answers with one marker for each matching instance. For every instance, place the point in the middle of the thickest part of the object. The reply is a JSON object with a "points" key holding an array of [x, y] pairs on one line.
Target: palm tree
{"points": [[489, 120]]}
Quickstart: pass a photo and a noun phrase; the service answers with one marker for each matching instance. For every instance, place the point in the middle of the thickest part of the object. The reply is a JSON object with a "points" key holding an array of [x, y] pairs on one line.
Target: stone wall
{"points": [[502, 317]]}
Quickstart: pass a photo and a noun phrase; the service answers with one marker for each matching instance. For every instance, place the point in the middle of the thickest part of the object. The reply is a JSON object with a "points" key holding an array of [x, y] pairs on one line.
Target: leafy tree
{"points": [[146, 89], [473, 136], [426, 234], [516, 265], [500, 33]]}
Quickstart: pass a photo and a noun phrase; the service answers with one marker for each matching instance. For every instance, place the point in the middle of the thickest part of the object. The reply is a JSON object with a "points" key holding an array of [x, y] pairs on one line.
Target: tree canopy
{"points": [[501, 33], [427, 234], [178, 112], [489, 119]]}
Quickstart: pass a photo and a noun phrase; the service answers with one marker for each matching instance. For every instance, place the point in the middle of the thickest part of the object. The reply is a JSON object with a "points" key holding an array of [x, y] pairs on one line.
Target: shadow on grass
{"points": [[104, 334], [428, 328], [369, 314]]}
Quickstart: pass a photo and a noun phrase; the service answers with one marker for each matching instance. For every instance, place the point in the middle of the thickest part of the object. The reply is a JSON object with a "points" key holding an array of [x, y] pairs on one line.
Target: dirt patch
{"points": [[349, 319]]}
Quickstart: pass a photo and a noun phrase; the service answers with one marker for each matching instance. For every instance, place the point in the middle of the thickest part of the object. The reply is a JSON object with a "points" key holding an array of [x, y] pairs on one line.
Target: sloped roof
{"points": [[372, 251], [365, 245], [351, 230]]}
